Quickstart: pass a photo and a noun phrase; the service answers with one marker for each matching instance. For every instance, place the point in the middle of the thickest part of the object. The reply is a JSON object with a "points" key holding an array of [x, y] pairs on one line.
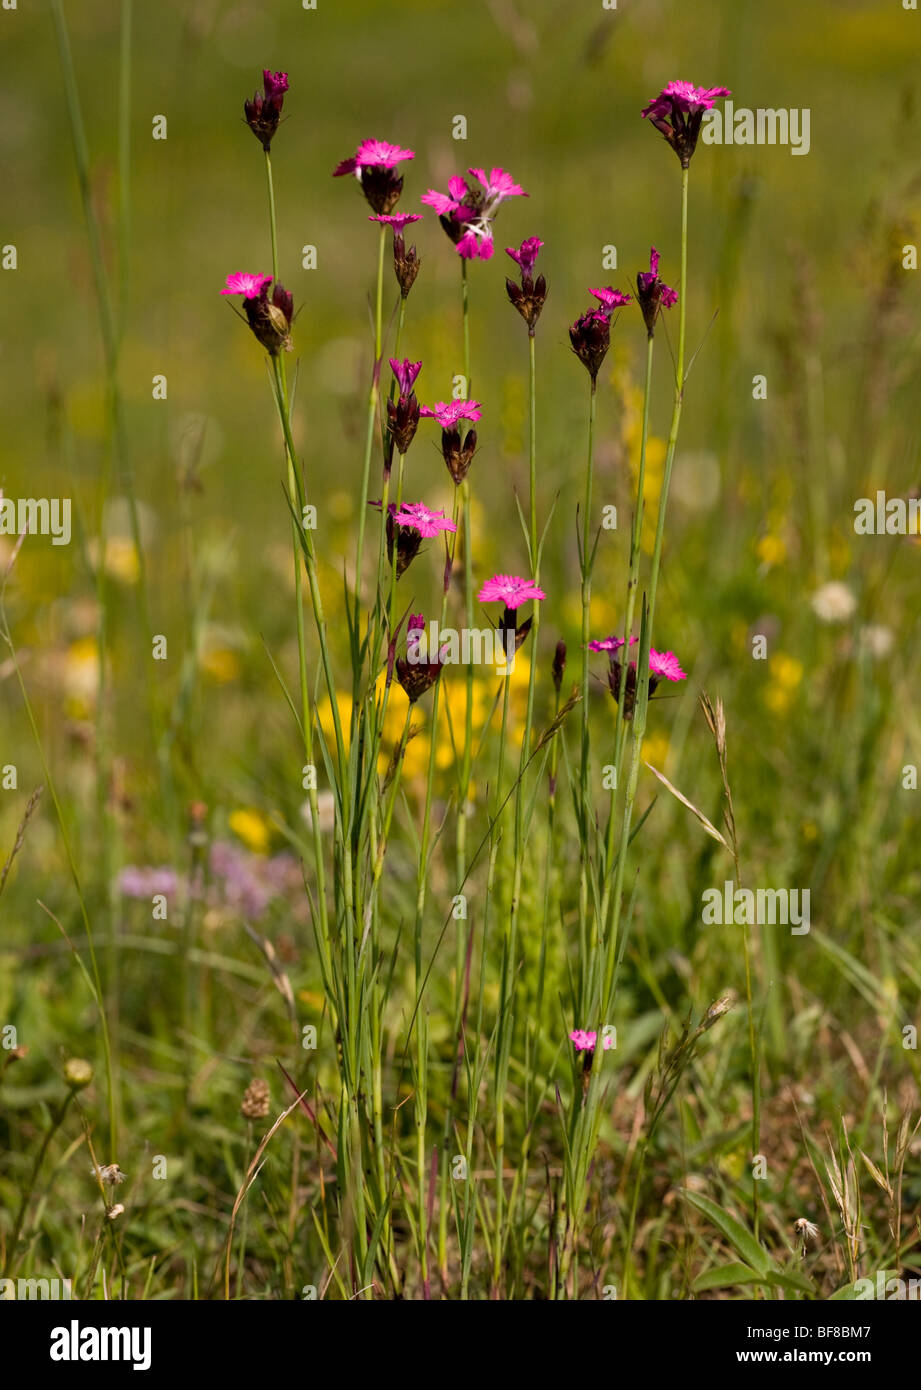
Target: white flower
{"points": [[833, 603], [878, 640]]}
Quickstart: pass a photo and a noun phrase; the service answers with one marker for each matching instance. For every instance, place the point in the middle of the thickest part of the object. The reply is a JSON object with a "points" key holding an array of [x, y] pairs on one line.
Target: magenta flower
{"points": [[526, 255], [263, 113], [405, 373], [678, 112], [611, 299], [372, 154], [397, 220], [509, 589], [665, 665], [416, 674], [652, 293], [609, 644], [269, 319], [528, 297], [585, 1040], [458, 452], [467, 213], [403, 413], [250, 286], [422, 519], [448, 413], [662, 666], [374, 165]]}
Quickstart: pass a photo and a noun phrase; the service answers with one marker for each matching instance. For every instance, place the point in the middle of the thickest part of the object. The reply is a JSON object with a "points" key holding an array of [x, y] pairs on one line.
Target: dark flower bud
{"points": [[263, 113], [458, 454], [509, 628], [381, 186], [590, 336], [406, 264], [403, 418], [270, 319], [559, 665], [528, 298], [415, 673]]}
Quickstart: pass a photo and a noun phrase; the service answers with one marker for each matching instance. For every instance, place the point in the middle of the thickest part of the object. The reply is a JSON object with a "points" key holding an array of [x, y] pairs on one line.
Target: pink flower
{"points": [[448, 413], [665, 664], [528, 297], [684, 96], [611, 299], [422, 519], [476, 245], [498, 185], [263, 113], [662, 666], [526, 255], [405, 373], [274, 84], [467, 213], [652, 293], [250, 286], [372, 154], [678, 112], [374, 165], [510, 590], [584, 1040], [397, 220]]}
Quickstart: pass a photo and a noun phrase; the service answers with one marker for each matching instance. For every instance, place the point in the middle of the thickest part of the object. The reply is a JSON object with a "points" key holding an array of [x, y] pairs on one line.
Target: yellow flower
{"points": [[771, 550], [786, 672], [252, 828], [121, 558], [220, 663], [655, 749], [81, 676]]}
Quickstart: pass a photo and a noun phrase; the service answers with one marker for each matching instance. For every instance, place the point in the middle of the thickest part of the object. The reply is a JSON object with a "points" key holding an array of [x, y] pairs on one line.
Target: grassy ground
{"points": [[703, 1162]]}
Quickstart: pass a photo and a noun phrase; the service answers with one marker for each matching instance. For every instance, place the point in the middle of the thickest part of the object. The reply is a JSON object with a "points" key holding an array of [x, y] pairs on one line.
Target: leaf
{"points": [[707, 825], [725, 1276], [739, 1236]]}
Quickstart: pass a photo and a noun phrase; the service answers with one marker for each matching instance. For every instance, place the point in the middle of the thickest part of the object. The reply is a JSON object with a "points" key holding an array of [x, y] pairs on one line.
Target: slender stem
{"points": [[373, 398]]}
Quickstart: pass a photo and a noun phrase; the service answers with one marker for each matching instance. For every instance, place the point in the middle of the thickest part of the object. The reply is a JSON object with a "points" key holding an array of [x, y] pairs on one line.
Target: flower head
{"points": [[528, 297], [250, 286], [662, 666], [590, 336], [396, 220], [467, 213], [509, 589], [448, 413], [678, 111], [422, 519], [374, 165], [834, 602], [403, 413], [652, 293], [611, 299], [405, 373], [585, 1040], [416, 672], [263, 113], [270, 319]]}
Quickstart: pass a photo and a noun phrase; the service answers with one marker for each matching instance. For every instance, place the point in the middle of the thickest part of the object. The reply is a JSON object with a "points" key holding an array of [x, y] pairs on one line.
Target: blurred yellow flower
{"points": [[81, 676], [655, 749], [252, 828], [121, 558], [771, 550], [220, 663], [785, 674]]}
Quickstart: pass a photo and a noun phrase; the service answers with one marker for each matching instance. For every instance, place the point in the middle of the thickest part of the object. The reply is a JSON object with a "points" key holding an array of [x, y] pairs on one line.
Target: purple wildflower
{"points": [[678, 112]]}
